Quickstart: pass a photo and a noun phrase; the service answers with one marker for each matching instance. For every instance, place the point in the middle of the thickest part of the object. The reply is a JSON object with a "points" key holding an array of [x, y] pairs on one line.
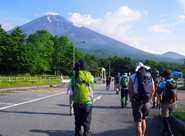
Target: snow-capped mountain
{"points": [[97, 43]]}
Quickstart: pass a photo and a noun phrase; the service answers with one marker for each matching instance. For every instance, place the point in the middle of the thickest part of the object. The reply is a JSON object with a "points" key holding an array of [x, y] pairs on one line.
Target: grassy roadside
{"points": [[181, 88], [27, 83], [179, 114], [29, 80]]}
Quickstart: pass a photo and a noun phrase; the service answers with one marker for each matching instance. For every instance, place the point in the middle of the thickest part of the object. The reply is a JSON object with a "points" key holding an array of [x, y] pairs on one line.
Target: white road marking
{"points": [[34, 100], [97, 98]]}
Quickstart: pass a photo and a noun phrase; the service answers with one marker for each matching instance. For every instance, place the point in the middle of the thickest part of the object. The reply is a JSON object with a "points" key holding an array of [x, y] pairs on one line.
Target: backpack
{"points": [[108, 78], [170, 94], [117, 79], [144, 86], [157, 81], [83, 87], [124, 82]]}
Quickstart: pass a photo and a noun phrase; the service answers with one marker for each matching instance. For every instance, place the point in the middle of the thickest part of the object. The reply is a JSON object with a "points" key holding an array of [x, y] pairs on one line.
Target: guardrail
{"points": [[27, 79]]}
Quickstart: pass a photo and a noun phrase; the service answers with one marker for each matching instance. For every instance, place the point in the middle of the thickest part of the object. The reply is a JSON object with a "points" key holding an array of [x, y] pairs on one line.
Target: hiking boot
{"points": [[157, 106], [122, 105], [125, 104]]}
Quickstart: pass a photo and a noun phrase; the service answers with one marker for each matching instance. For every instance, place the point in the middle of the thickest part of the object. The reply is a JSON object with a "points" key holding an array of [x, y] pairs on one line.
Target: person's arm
{"points": [[120, 84], [153, 91], [92, 80], [130, 88], [160, 89], [69, 88], [72, 82]]}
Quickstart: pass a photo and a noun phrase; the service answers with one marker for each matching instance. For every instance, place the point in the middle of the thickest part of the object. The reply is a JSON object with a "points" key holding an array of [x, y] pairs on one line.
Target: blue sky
{"points": [[155, 26]]}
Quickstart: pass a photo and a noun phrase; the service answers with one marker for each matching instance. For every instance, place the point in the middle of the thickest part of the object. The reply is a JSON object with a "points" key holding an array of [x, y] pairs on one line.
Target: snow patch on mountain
{"points": [[49, 19]]}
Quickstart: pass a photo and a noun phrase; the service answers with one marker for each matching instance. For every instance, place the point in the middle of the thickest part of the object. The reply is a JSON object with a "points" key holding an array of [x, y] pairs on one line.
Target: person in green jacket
{"points": [[82, 84]]}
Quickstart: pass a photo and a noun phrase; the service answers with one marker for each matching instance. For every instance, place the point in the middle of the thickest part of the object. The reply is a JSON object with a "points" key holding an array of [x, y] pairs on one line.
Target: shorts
{"points": [[167, 109], [140, 110]]}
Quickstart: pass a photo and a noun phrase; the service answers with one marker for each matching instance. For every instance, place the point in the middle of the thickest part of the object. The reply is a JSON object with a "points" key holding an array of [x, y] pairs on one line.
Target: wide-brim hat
{"points": [[83, 65], [168, 74], [140, 65]]}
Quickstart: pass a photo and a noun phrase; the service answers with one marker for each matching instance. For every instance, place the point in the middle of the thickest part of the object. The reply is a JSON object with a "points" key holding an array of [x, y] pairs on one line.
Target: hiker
{"points": [[123, 87], [82, 84], [61, 78], [70, 93], [116, 83], [141, 90], [156, 98], [168, 102], [108, 81]]}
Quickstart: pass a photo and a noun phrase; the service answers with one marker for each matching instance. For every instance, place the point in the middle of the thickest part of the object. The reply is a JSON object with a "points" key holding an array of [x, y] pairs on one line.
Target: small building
{"points": [[98, 74]]}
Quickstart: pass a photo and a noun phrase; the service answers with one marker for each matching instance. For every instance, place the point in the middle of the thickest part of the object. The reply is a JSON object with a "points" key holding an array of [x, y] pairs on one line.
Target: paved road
{"points": [[45, 112]]}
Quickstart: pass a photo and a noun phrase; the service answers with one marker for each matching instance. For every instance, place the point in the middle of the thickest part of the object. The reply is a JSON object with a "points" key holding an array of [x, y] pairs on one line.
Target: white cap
{"points": [[140, 65]]}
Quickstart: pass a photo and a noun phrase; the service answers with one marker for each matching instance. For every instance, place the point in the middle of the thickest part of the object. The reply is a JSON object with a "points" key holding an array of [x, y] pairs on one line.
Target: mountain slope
{"points": [[97, 43]]}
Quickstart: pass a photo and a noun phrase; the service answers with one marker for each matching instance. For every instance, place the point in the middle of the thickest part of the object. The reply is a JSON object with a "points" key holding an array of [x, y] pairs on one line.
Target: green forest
{"points": [[42, 53]]}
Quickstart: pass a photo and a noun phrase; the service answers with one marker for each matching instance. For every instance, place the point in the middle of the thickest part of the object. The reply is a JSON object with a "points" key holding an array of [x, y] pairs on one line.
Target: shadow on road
{"points": [[39, 113], [54, 132], [110, 107], [119, 132]]}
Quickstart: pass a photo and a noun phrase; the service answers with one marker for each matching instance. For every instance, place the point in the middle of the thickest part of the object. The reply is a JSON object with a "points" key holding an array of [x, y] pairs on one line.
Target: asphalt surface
{"points": [[45, 112]]}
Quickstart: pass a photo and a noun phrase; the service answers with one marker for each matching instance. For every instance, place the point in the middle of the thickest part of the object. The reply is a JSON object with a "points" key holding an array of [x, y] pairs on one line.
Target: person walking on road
{"points": [[141, 90], [169, 97], [82, 84], [108, 81], [70, 93], [116, 83], [157, 81], [123, 87]]}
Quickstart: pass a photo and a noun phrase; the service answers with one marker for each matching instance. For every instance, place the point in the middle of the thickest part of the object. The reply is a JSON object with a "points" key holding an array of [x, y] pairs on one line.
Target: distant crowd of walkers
{"points": [[140, 88]]}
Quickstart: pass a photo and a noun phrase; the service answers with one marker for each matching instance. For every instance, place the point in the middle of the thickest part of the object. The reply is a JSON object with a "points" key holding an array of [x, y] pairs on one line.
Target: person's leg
{"points": [[78, 119], [143, 127], [137, 113], [145, 110], [126, 97], [139, 128], [154, 100], [122, 98], [87, 112], [167, 128], [71, 105], [165, 115]]}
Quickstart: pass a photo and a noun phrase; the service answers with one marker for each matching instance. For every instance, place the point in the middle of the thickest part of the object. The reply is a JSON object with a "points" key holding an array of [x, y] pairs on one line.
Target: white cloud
{"points": [[51, 13], [181, 17], [145, 13], [159, 29], [84, 20], [165, 28], [114, 24], [7, 26], [182, 2]]}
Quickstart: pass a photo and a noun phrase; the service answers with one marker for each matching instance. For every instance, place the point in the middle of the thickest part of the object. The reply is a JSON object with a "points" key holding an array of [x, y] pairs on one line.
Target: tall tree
{"points": [[42, 40]]}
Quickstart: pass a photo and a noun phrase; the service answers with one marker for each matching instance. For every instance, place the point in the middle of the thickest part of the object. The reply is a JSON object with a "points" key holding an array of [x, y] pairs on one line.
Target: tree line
{"points": [[42, 52]]}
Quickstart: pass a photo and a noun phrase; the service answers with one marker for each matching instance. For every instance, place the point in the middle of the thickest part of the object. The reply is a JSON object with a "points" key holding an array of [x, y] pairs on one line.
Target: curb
{"points": [[178, 124]]}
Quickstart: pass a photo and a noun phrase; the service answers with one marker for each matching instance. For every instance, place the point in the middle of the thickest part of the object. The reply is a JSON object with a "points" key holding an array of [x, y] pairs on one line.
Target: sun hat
{"points": [[140, 65], [83, 65], [168, 74]]}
